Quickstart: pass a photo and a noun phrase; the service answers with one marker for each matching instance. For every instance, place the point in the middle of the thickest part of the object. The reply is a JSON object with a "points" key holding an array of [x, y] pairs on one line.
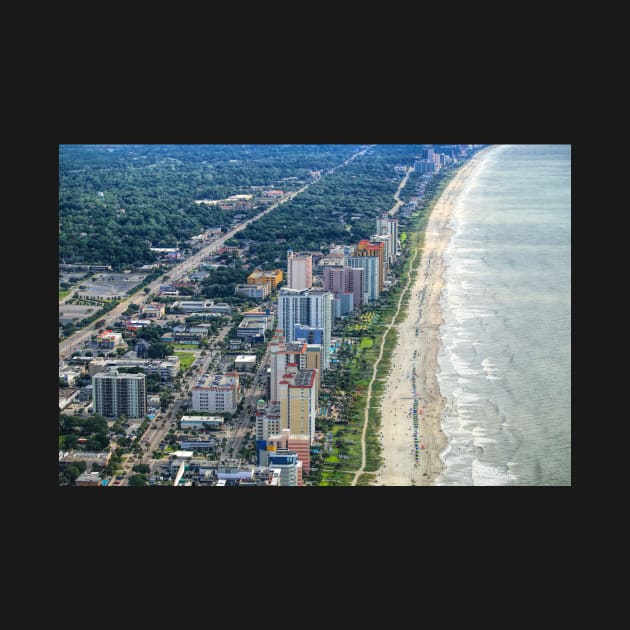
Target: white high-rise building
{"points": [[116, 394], [299, 271], [312, 307]]}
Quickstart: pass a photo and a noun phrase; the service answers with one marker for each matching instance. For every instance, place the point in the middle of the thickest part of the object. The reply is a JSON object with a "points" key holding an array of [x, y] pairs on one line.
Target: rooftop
{"points": [[304, 378]]}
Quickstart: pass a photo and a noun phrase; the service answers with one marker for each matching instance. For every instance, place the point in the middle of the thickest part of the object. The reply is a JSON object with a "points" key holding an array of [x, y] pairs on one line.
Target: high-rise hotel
{"points": [[312, 307], [299, 271]]}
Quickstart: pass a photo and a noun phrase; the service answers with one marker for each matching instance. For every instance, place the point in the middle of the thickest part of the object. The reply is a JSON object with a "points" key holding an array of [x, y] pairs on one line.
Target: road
{"points": [[402, 184], [152, 436], [67, 346], [254, 393]]}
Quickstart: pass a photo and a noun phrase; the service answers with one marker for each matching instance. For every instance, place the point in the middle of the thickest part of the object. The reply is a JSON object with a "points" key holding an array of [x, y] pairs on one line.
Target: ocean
{"points": [[505, 360]]}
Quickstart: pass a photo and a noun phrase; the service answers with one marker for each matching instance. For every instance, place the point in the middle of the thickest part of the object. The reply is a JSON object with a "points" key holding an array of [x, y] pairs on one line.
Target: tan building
{"points": [[298, 396], [153, 311]]}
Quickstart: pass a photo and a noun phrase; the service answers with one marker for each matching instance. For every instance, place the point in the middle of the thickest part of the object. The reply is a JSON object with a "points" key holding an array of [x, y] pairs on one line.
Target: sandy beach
{"points": [[414, 362]]}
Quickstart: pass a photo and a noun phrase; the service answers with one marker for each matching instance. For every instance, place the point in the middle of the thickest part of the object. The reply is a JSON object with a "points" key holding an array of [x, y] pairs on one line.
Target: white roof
{"points": [[248, 358], [183, 454]]}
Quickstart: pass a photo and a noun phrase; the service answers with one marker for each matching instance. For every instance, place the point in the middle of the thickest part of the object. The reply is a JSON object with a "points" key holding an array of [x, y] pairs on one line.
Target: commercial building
{"points": [[270, 278], [376, 250], [298, 397], [193, 306], [290, 466], [343, 303], [252, 291], [370, 266], [386, 240], [424, 166], [222, 308], [299, 271], [301, 445], [344, 279], [88, 479], [252, 329], [312, 307], [267, 420], [197, 445], [245, 362], [168, 290], [152, 311], [298, 443], [167, 369], [68, 376], [308, 334], [116, 394], [201, 422], [281, 353], [217, 392], [89, 457], [108, 340]]}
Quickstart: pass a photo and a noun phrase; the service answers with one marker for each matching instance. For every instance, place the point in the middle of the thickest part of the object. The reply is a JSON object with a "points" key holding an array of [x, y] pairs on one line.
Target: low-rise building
{"points": [[201, 422], [68, 376], [245, 363], [88, 479], [89, 457], [222, 308], [198, 331], [252, 329], [252, 291], [152, 310], [108, 340], [192, 306], [167, 370], [271, 278], [197, 445]]}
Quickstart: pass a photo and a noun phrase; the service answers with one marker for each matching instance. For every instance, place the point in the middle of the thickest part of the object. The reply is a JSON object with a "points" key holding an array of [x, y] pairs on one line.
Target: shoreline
{"points": [[415, 360]]}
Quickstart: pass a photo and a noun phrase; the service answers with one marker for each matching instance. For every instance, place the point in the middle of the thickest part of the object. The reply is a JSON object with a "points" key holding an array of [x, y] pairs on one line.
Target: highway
{"points": [[72, 343]]}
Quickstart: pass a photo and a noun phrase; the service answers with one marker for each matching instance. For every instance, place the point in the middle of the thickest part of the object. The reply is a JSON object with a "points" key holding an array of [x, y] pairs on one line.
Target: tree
{"points": [[137, 480], [142, 468], [159, 349]]}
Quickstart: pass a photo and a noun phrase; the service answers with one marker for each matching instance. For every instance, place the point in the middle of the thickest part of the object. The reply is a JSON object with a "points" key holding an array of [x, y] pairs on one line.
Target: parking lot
{"points": [[74, 312], [109, 285]]}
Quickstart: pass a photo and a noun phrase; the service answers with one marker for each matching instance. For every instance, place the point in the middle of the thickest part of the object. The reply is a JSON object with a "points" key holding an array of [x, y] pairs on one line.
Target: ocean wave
{"points": [[484, 474]]}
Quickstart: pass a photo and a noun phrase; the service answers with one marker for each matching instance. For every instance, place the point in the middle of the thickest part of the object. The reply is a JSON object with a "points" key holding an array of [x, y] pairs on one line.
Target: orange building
{"points": [[271, 278]]}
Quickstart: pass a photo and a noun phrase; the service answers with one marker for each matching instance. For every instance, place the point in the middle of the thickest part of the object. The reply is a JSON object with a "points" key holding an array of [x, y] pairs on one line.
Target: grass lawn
{"points": [[366, 342], [185, 359], [63, 293]]}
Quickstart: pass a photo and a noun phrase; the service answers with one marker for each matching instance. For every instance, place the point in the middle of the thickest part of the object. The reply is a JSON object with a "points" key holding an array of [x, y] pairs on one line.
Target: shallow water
{"points": [[505, 360]]}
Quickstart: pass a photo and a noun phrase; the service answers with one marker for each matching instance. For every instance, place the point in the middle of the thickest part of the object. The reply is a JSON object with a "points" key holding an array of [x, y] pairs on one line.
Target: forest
{"points": [[323, 214], [148, 192]]}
